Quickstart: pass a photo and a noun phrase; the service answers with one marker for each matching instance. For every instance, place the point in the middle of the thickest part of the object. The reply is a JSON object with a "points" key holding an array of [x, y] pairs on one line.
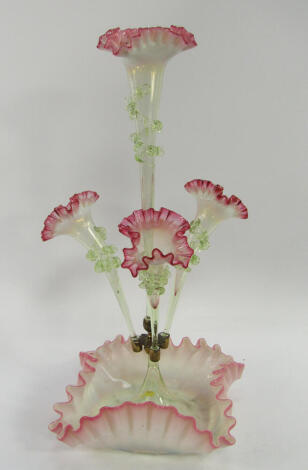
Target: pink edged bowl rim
{"points": [[62, 431]]}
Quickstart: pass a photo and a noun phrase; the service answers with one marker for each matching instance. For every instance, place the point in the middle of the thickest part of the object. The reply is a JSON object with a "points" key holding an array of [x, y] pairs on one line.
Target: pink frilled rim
{"points": [[225, 375], [121, 41], [64, 215], [206, 189], [170, 243]]}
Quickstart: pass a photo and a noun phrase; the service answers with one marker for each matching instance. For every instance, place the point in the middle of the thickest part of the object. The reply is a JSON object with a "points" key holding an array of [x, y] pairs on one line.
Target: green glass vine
{"points": [[154, 279], [199, 239], [141, 149], [103, 257]]}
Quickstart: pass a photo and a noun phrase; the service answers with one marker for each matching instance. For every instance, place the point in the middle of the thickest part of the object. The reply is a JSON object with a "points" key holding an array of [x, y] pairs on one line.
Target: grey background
{"points": [[235, 112]]}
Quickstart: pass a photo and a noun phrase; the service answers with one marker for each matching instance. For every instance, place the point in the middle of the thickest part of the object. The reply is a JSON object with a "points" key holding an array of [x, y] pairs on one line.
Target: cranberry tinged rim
{"points": [[205, 189], [168, 230], [62, 214], [121, 41]]}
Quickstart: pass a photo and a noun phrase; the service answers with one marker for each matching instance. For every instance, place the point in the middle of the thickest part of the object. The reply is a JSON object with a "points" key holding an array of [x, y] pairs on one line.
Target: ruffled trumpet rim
{"points": [[231, 369], [64, 214], [176, 226], [121, 41], [205, 188]]}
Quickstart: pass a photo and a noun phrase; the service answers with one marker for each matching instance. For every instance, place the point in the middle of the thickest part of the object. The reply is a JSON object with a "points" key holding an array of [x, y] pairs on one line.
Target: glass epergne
{"points": [[145, 394]]}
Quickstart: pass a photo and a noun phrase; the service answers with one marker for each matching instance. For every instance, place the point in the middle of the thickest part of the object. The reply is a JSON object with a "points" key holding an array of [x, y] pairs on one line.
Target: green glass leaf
{"points": [[138, 158], [204, 241], [138, 146], [116, 262], [152, 150], [139, 92], [132, 109], [109, 250], [98, 266], [91, 255], [195, 260], [108, 265], [154, 280], [156, 125], [194, 225]]}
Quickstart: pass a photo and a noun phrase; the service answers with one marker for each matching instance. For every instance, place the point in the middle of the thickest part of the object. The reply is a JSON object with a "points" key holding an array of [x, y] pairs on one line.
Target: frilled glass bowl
{"points": [[104, 409]]}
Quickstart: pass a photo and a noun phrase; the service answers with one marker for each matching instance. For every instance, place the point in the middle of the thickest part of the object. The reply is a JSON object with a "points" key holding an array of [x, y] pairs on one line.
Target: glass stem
{"points": [[153, 310], [179, 280], [151, 75], [148, 309], [138, 76], [115, 283], [153, 387], [147, 182]]}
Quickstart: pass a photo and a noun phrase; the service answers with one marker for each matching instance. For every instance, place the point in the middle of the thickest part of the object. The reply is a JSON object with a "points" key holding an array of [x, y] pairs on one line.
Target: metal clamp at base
{"points": [[154, 354], [144, 341], [135, 342]]}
